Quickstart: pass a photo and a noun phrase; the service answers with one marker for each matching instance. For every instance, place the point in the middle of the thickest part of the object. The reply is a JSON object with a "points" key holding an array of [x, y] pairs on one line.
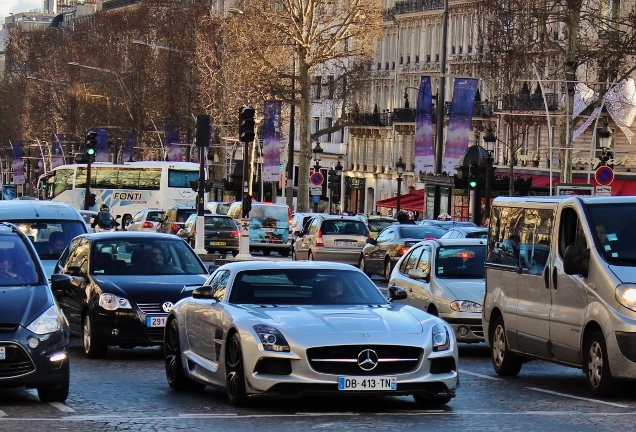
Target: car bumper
{"points": [[467, 330], [127, 329], [32, 367], [345, 256]]}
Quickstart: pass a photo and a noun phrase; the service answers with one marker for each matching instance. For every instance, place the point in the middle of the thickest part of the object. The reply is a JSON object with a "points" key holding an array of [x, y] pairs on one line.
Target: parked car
{"points": [[174, 218], [299, 220], [35, 335], [446, 278], [269, 226], [221, 233], [332, 238], [221, 208], [117, 288], [49, 225], [378, 223], [330, 331], [379, 255], [466, 232], [447, 224], [146, 220]]}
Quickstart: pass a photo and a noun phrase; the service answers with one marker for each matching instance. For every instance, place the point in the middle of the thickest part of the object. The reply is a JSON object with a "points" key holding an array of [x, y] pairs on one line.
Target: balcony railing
{"points": [[412, 6], [529, 102]]}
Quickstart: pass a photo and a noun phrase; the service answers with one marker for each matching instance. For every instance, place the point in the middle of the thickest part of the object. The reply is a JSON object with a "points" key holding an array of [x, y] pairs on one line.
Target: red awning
{"points": [[413, 201], [620, 187]]}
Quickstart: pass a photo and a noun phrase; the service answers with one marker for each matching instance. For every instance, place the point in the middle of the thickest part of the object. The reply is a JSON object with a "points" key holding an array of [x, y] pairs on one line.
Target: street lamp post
{"points": [[399, 167], [317, 151], [338, 169], [605, 141], [489, 139]]}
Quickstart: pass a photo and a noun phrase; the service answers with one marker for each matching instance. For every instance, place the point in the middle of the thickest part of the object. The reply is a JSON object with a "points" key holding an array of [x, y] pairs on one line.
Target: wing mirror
{"points": [[397, 293], [576, 261], [419, 274], [204, 292]]}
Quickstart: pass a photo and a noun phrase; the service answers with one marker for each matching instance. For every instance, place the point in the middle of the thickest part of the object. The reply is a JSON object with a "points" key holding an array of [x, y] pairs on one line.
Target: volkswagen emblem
{"points": [[367, 360], [167, 306]]}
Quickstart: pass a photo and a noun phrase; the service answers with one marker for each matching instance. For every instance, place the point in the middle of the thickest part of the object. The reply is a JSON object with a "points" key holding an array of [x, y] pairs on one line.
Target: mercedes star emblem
{"points": [[367, 360]]}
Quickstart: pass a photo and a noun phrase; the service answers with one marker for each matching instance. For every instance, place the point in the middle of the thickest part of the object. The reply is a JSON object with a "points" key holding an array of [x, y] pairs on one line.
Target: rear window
{"points": [[344, 227], [378, 225], [154, 216], [184, 214], [219, 222], [420, 232]]}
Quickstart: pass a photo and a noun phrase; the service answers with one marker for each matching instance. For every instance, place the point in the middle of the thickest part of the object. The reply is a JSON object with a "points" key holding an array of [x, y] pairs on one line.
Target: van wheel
{"points": [[596, 366], [505, 362]]}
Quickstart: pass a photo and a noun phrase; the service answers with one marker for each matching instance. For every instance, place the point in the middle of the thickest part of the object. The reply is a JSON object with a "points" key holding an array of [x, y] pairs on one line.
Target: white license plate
{"points": [[3, 353], [269, 230], [153, 321], [345, 243], [218, 243], [367, 383]]}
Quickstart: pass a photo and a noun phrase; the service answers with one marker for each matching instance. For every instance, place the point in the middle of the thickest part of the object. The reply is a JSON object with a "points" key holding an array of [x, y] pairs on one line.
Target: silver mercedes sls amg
{"points": [[288, 329]]}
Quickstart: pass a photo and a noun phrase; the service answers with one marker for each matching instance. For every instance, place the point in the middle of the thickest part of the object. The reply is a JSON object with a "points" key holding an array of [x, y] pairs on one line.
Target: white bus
{"points": [[126, 188]]}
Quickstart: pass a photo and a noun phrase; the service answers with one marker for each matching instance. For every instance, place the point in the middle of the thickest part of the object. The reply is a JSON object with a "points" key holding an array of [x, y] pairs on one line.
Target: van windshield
{"points": [[614, 231]]}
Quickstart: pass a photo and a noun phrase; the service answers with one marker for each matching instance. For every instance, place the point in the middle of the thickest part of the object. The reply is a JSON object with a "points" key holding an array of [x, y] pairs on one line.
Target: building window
{"points": [[331, 87], [316, 124], [329, 123], [315, 87]]}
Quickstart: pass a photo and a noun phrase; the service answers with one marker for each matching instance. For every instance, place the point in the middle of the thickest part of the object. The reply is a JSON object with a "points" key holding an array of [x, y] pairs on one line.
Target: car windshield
{"points": [[51, 237], [377, 225], [461, 261], [304, 287], [16, 264], [421, 232], [613, 231], [144, 256]]}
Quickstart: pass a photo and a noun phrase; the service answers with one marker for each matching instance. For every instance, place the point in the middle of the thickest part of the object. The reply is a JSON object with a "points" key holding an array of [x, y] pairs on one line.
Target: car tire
{"points": [[235, 374], [177, 379], [266, 252], [363, 266], [56, 392], [310, 257], [284, 253], [428, 401], [388, 268], [126, 222], [235, 253], [596, 366], [94, 347], [504, 361]]}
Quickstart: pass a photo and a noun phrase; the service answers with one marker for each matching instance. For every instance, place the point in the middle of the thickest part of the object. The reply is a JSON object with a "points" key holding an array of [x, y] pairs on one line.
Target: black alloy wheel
{"points": [[235, 375], [175, 375]]}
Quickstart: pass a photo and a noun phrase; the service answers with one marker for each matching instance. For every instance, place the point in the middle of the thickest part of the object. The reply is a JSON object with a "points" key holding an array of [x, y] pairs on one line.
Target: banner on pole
{"points": [[424, 137], [271, 140], [459, 122]]}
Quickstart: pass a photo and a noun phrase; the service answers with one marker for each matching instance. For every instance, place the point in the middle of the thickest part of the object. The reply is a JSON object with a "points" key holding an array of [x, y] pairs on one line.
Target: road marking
{"points": [[3, 414], [62, 407], [480, 375], [578, 397]]}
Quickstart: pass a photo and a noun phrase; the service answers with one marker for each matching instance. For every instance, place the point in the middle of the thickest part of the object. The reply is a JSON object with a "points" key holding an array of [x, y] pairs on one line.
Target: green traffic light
{"points": [[90, 151], [473, 184]]}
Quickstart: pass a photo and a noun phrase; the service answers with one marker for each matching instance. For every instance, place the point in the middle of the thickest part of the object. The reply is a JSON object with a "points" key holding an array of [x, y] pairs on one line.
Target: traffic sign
{"points": [[604, 175], [316, 178], [316, 190], [603, 191]]}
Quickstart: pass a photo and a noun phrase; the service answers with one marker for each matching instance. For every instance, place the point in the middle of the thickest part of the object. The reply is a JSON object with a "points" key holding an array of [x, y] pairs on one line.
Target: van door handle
{"points": [[554, 277], [546, 278]]}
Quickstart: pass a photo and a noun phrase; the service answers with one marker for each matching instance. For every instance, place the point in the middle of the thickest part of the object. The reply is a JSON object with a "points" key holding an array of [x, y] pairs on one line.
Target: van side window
{"points": [[506, 225], [571, 231]]}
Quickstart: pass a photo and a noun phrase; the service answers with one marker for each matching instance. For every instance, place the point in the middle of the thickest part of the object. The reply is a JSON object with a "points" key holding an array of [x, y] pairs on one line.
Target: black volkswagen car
{"points": [[117, 288], [34, 334]]}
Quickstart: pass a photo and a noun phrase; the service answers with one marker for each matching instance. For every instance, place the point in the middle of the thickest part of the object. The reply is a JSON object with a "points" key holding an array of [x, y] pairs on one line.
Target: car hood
{"points": [[27, 303], [142, 289], [626, 274], [341, 319], [464, 289]]}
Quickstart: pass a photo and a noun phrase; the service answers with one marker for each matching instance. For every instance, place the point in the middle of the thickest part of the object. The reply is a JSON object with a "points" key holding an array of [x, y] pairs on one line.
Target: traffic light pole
{"points": [[246, 135], [202, 141], [87, 195]]}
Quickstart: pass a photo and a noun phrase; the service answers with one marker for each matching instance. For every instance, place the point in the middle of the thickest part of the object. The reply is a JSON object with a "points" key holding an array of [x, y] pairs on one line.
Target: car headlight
{"points": [[626, 295], [465, 306], [271, 338], [441, 339], [113, 302], [49, 322]]}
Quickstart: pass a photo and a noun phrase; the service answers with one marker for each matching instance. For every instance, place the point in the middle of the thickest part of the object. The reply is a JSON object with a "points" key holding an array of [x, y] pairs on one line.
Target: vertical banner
{"points": [[57, 150], [271, 140], [18, 161], [101, 148], [128, 152], [424, 138], [172, 141], [459, 122]]}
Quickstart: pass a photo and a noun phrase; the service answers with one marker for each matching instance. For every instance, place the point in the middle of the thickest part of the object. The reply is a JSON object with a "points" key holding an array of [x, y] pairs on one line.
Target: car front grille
{"points": [[343, 360], [16, 363], [151, 308]]}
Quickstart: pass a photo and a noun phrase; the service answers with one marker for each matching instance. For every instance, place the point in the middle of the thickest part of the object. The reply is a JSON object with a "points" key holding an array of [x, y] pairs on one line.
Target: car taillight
{"points": [[147, 225], [235, 233], [319, 241], [403, 250], [430, 238], [175, 228]]}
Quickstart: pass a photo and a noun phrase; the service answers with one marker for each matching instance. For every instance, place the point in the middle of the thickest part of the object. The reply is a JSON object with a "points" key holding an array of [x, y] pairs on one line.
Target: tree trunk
{"points": [[304, 159]]}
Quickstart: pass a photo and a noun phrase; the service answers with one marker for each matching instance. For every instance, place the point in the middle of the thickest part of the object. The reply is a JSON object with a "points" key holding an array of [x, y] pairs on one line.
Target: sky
{"points": [[15, 6]]}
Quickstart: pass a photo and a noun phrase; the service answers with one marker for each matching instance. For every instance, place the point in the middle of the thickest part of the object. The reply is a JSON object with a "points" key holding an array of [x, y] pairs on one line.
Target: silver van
{"points": [[561, 286], [269, 226], [49, 225]]}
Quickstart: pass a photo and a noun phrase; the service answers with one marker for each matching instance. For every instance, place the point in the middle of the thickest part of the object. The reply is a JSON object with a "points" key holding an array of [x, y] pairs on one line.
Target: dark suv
{"points": [[34, 334], [174, 219]]}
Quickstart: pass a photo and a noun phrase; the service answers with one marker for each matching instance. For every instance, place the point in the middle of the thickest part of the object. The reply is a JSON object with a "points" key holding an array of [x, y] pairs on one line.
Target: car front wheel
{"points": [[599, 378], [56, 392], [94, 347], [235, 375], [177, 379], [504, 361]]}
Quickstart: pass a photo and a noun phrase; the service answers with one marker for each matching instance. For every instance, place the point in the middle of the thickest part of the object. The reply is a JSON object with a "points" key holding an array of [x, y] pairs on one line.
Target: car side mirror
{"points": [[204, 292], [419, 275], [298, 233], [59, 283], [371, 240], [74, 271], [576, 261], [397, 293]]}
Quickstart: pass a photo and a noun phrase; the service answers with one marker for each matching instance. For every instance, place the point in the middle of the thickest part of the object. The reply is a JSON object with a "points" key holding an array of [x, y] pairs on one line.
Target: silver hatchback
{"points": [[332, 238]]}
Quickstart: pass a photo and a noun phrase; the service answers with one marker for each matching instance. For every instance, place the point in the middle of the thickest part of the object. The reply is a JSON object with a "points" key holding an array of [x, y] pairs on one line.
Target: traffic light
{"points": [[333, 180], [92, 200], [91, 142], [246, 124], [194, 184], [209, 184], [472, 176]]}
